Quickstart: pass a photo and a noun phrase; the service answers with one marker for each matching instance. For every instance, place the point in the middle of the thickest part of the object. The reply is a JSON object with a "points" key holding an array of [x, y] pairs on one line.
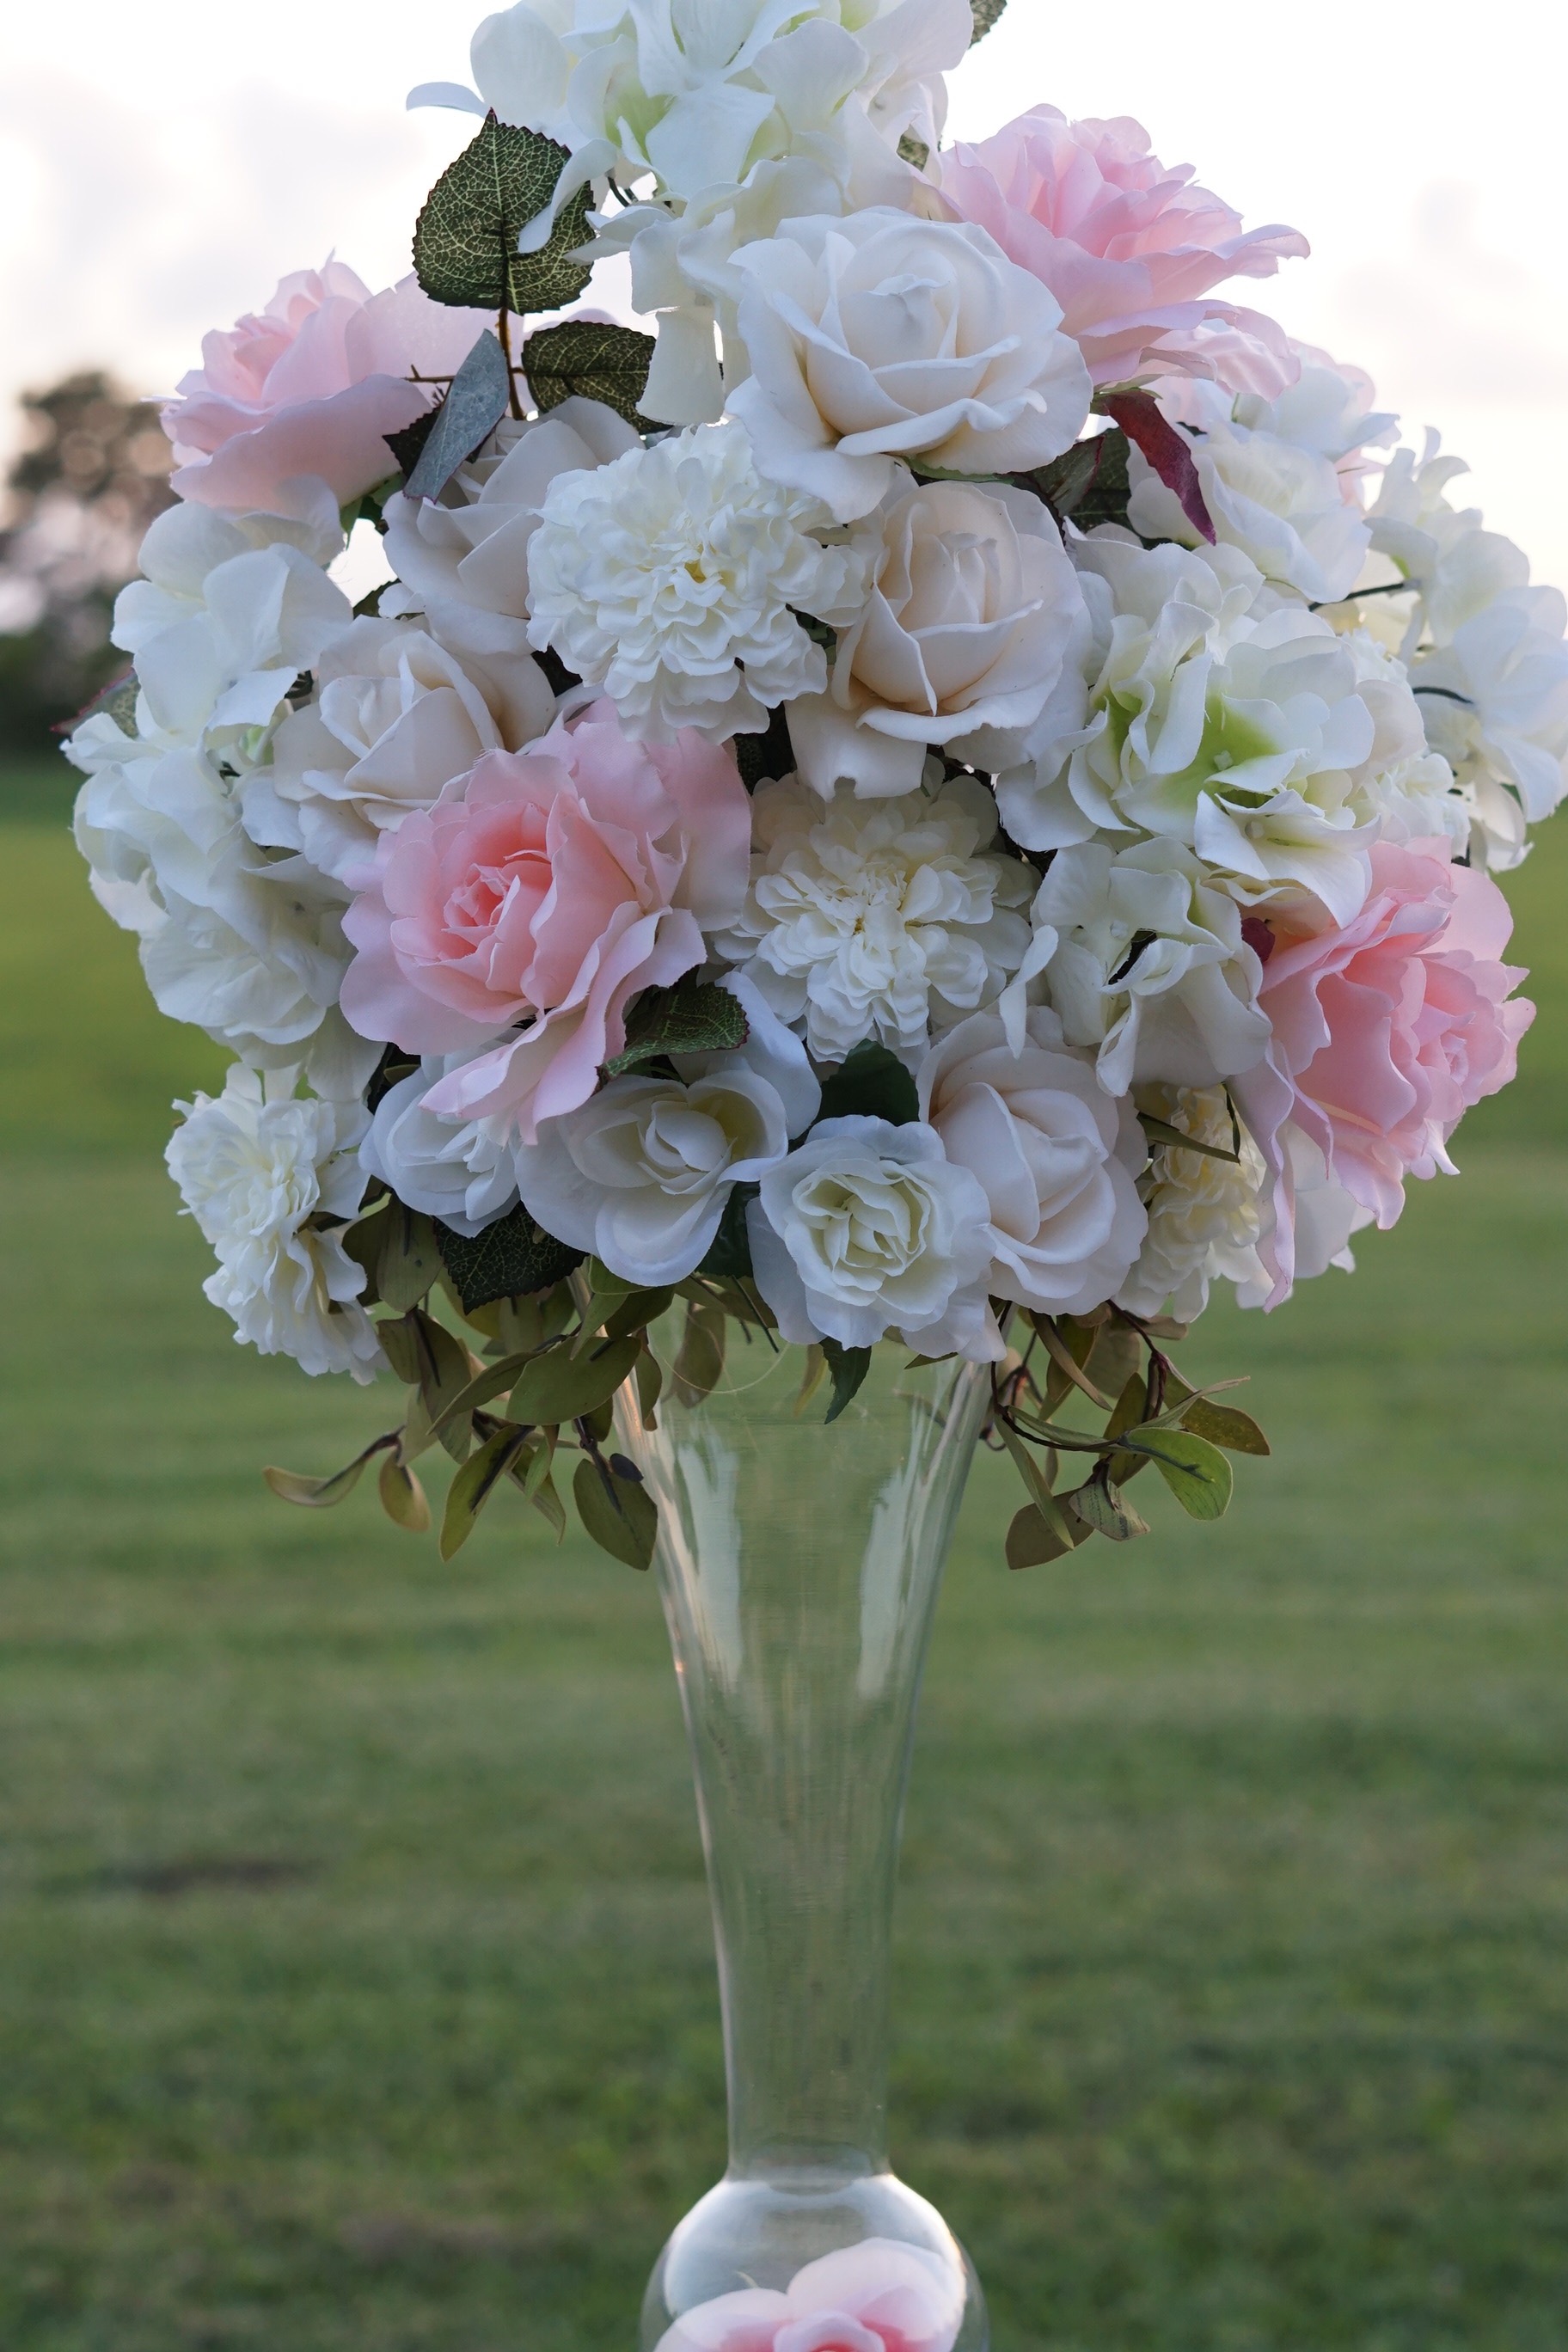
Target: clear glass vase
{"points": [[799, 1566]]}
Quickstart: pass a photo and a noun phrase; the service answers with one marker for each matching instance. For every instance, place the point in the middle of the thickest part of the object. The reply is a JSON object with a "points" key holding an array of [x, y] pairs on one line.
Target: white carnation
{"points": [[1218, 717], [867, 917], [867, 1228], [255, 1172], [668, 577], [1207, 1216]]}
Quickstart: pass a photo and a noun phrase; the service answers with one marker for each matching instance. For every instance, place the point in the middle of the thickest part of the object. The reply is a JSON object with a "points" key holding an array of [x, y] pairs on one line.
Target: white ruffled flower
{"points": [[732, 121], [867, 1228], [1056, 1157], [1144, 963], [670, 578], [1495, 700], [253, 1170], [228, 615], [973, 609], [469, 546], [1207, 1216], [245, 945], [642, 1174], [398, 709], [1279, 477], [458, 1172], [884, 336], [867, 917], [1217, 717]]}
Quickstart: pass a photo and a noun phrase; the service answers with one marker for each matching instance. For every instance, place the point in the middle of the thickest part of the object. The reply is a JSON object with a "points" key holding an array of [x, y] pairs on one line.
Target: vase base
{"points": [[759, 2256]]}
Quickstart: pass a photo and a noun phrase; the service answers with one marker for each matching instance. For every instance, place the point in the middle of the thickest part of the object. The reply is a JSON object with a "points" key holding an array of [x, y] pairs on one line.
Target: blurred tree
{"points": [[90, 477]]}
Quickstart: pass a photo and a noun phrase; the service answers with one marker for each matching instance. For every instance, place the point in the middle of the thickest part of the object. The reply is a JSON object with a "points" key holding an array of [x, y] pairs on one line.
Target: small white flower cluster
{"points": [[1048, 773]]}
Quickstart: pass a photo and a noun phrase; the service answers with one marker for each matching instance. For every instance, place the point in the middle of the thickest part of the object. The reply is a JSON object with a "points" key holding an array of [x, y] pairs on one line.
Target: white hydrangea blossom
{"points": [[1280, 478], [1143, 960], [1207, 1216], [671, 578], [873, 919], [255, 1165]]}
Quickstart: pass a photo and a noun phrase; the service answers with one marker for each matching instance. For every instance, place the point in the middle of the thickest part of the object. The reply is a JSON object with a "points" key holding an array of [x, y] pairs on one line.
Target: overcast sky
{"points": [[161, 166]]}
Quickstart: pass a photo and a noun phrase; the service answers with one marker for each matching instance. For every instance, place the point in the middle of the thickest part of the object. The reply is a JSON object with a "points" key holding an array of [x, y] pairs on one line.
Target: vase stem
{"points": [[799, 1567]]}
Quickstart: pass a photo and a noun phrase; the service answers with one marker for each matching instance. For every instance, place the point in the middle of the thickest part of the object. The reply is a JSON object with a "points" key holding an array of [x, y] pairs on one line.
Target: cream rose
{"points": [[471, 543], [972, 613], [882, 335], [1054, 1156]]}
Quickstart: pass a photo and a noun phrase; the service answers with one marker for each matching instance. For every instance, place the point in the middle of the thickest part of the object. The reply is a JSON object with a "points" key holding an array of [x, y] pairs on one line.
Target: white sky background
{"points": [[161, 166]]}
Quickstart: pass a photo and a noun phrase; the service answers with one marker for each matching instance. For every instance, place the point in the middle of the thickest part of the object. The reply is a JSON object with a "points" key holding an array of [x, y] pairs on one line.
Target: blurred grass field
{"points": [[355, 1992]]}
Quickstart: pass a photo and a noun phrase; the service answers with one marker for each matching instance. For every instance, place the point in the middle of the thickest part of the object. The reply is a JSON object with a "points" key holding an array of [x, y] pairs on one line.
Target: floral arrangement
{"points": [[948, 796]]}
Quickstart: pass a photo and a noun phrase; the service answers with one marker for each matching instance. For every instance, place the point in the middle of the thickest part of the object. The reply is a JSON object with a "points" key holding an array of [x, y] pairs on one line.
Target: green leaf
{"points": [[699, 1362], [1038, 1484], [637, 1312], [1117, 1354], [813, 1375], [1099, 1506], [847, 1368], [1222, 1424], [729, 1258], [1088, 481], [558, 1387], [1031, 1541], [321, 1494], [592, 358], [509, 1259], [649, 1374], [549, 1504], [987, 13], [1067, 1358], [693, 1018], [619, 1513], [871, 1082], [1176, 1139], [474, 1484], [915, 151], [478, 397], [402, 1497], [464, 242], [408, 1261], [1197, 1473], [430, 1357]]}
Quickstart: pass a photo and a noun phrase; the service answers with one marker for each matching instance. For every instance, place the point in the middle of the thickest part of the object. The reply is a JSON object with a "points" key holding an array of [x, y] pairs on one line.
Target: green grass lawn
{"points": [[355, 1992]]}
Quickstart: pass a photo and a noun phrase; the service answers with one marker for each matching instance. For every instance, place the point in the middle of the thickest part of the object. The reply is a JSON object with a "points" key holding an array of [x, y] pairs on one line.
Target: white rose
{"points": [[867, 1228], [470, 544], [1056, 1157], [640, 1175], [254, 1170], [865, 917], [1144, 963], [973, 609], [671, 578], [1495, 702], [457, 1172], [884, 336], [398, 710]]}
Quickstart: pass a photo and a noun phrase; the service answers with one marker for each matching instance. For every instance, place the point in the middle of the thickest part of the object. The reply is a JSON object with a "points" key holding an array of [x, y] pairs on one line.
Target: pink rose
{"points": [[309, 386], [546, 887], [1386, 1032], [878, 2296], [1129, 249]]}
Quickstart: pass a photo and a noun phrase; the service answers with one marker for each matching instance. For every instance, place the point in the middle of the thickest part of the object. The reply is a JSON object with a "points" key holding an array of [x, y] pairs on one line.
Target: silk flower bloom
{"points": [[548, 886], [878, 2296]]}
